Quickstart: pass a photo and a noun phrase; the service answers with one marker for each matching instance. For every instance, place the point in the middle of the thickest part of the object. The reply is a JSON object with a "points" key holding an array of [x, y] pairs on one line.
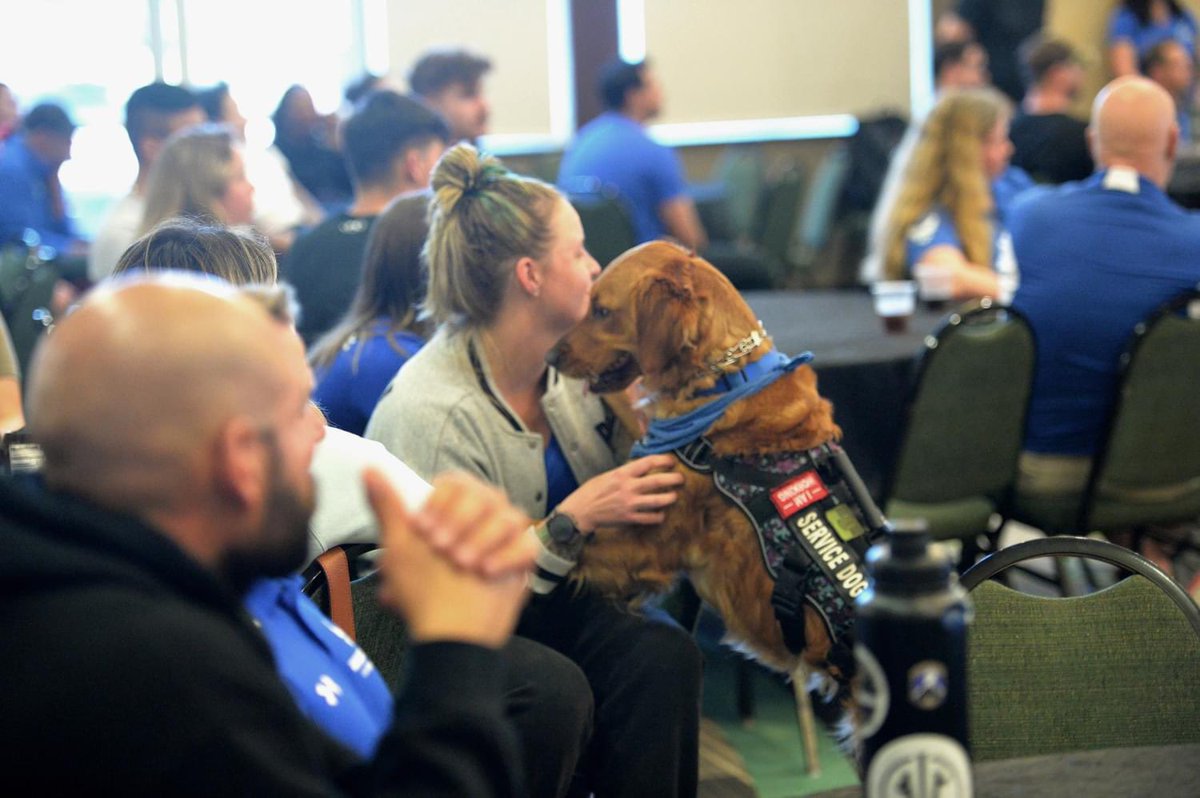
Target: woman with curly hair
{"points": [[949, 211]]}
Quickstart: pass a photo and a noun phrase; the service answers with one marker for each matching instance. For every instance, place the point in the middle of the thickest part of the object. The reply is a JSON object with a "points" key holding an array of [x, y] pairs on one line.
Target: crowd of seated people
{"points": [[190, 475]]}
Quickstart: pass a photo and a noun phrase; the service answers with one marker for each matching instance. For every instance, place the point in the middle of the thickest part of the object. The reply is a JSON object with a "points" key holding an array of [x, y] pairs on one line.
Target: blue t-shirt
{"points": [[1097, 257], [25, 200], [332, 679], [937, 227], [1124, 26], [349, 388], [560, 480], [615, 151]]}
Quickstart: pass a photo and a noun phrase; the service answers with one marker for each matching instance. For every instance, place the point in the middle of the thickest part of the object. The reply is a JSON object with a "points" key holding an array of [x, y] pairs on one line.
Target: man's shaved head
{"points": [[128, 392], [1133, 124]]}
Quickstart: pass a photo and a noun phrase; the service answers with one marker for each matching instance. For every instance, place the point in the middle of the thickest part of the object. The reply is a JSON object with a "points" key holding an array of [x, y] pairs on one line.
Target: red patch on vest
{"points": [[797, 493]]}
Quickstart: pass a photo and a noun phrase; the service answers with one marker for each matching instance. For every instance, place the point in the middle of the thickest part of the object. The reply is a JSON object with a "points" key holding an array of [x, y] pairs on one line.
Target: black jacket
{"points": [[127, 669]]}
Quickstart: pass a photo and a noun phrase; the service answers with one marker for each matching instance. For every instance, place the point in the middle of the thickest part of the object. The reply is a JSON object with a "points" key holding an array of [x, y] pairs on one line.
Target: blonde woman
{"points": [[948, 215], [199, 174], [508, 277]]}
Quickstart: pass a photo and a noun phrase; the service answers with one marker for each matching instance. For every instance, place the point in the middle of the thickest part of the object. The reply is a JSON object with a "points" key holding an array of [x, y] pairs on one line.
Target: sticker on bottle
{"points": [[871, 696], [920, 766], [928, 684]]}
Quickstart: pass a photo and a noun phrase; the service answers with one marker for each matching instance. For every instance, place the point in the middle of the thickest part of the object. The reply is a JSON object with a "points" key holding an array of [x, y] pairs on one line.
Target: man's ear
{"points": [[240, 463], [412, 162], [668, 318]]}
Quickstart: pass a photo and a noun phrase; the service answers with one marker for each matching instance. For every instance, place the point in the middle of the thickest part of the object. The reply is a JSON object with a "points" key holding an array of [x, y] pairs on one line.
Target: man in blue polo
{"points": [[1097, 257], [614, 152]]}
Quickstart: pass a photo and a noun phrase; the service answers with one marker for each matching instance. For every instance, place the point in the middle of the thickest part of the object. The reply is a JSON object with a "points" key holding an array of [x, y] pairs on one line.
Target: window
{"points": [[259, 48]]}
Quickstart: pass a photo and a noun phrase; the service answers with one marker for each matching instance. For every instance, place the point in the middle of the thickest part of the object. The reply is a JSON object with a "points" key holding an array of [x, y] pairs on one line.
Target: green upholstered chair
{"points": [[965, 424], [28, 273], [1112, 668], [819, 217], [1148, 470], [607, 226], [779, 214]]}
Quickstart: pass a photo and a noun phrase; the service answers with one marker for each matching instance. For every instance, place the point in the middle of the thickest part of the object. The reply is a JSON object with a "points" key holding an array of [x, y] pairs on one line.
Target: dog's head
{"points": [[658, 311]]}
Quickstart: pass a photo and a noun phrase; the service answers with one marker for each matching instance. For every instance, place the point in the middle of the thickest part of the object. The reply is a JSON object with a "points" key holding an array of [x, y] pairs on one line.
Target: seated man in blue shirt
{"points": [[31, 196], [1096, 258], [614, 151]]}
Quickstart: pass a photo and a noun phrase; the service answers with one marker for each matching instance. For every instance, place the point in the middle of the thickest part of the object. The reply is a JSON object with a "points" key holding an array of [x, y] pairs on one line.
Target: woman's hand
{"points": [[636, 493]]}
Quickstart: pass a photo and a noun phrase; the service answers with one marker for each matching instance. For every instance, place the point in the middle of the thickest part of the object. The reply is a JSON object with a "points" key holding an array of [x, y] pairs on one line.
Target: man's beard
{"points": [[280, 546]]}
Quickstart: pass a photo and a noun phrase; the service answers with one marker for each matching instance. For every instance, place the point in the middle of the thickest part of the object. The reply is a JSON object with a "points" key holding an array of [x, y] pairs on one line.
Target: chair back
{"points": [[821, 206], [780, 214], [965, 421], [741, 171], [1108, 669], [607, 226], [1148, 470], [353, 589]]}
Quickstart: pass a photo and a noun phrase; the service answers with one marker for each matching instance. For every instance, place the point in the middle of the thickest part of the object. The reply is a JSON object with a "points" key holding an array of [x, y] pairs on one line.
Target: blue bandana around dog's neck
{"points": [[665, 435]]}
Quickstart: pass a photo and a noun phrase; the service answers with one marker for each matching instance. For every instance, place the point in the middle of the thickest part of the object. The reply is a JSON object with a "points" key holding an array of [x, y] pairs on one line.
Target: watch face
{"points": [[561, 528]]}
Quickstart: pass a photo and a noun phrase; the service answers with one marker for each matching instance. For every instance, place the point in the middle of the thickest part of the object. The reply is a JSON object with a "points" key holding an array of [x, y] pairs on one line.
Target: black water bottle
{"points": [[911, 650]]}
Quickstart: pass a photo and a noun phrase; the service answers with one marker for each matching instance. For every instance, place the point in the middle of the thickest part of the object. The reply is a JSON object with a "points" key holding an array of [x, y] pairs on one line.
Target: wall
{"points": [[718, 60], [761, 59]]}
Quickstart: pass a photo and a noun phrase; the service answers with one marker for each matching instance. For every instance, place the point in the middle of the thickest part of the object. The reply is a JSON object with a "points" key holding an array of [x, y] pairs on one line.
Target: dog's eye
{"points": [[599, 312]]}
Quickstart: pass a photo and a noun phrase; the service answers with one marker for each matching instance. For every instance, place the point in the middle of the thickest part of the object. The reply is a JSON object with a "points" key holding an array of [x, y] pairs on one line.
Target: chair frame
{"points": [[1089, 548], [312, 575], [1140, 332]]}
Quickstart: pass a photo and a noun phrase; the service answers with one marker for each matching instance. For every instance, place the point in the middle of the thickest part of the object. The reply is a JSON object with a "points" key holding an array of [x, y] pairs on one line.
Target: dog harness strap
{"points": [[814, 521]]}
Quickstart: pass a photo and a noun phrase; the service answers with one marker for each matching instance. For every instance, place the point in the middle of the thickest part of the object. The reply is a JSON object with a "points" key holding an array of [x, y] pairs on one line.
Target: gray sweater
{"points": [[438, 415]]}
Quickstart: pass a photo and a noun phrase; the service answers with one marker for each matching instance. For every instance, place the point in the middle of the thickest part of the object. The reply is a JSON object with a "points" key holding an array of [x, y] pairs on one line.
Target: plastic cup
{"points": [[895, 301], [935, 282]]}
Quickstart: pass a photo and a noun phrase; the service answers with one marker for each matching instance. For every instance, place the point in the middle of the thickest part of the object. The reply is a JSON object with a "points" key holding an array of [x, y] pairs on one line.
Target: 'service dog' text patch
{"points": [[827, 550]]}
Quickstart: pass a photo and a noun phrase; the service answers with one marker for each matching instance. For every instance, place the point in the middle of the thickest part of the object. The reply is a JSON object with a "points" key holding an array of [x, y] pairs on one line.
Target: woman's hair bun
{"points": [[463, 172]]}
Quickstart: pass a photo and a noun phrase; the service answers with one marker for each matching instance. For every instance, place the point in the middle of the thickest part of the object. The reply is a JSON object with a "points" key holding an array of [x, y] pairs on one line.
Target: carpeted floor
{"points": [[764, 758]]}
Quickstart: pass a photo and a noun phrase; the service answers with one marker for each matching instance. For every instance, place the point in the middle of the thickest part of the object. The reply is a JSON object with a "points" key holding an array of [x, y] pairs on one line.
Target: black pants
{"points": [[645, 673], [549, 703]]}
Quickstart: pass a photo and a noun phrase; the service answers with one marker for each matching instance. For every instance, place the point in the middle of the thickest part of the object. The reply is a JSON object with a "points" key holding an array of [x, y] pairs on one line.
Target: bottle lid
{"points": [[905, 562]]}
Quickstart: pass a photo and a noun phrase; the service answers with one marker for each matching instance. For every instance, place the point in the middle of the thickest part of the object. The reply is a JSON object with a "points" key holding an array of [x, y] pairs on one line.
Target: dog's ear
{"points": [[668, 317]]}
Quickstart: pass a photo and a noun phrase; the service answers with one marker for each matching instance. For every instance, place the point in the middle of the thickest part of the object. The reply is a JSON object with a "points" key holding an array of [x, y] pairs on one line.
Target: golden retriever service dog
{"points": [[670, 317]]}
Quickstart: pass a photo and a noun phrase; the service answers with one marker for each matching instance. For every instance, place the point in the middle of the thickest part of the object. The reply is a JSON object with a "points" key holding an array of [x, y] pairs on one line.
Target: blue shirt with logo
{"points": [[331, 678]]}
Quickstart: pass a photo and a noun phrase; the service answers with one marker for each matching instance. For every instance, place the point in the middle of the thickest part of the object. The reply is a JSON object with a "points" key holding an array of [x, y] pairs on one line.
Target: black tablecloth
{"points": [[1169, 770], [866, 373]]}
